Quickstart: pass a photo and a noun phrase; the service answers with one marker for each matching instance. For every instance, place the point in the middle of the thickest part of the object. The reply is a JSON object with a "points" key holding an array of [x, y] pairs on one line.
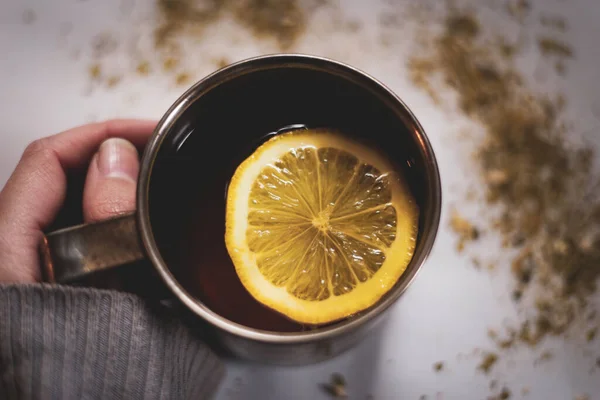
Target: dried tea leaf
{"points": [[466, 231], [489, 360], [554, 47], [336, 386]]}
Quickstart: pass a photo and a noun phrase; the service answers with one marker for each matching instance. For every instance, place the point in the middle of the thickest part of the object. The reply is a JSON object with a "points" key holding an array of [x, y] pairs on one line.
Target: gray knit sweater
{"points": [[61, 342]]}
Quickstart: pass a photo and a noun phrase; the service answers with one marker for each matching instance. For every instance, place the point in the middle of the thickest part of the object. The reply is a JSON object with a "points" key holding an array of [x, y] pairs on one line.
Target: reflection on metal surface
{"points": [[68, 255], [289, 128], [179, 142]]}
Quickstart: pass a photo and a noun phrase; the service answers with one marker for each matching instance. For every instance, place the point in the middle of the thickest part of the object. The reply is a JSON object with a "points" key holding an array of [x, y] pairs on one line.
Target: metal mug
{"points": [[69, 255]]}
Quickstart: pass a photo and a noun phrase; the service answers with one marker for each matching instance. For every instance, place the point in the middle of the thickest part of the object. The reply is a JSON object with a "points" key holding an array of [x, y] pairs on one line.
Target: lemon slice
{"points": [[318, 226]]}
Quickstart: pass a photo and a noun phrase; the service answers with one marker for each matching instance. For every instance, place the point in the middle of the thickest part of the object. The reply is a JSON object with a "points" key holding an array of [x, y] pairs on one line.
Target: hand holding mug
{"points": [[35, 192]]}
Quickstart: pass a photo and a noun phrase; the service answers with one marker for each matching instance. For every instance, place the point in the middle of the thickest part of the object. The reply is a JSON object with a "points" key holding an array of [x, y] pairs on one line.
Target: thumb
{"points": [[111, 181]]}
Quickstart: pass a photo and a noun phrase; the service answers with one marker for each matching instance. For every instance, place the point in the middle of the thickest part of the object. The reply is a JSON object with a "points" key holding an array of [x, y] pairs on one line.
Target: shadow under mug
{"points": [[281, 89]]}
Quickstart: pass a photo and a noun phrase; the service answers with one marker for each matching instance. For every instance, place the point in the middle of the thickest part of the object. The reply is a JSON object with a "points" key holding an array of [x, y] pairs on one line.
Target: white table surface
{"points": [[444, 316]]}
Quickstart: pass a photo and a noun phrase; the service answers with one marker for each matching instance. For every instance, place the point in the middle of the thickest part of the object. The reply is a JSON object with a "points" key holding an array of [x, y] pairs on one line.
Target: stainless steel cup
{"points": [[73, 254]]}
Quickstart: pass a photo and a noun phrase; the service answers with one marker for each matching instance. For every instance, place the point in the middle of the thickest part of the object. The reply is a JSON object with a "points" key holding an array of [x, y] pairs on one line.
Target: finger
{"points": [[76, 146], [111, 181], [35, 191]]}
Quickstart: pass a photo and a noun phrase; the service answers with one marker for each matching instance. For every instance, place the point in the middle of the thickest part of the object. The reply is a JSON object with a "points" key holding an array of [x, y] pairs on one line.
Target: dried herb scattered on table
{"points": [[465, 230], [282, 20], [178, 23], [489, 360], [336, 386], [545, 187], [551, 46], [504, 394]]}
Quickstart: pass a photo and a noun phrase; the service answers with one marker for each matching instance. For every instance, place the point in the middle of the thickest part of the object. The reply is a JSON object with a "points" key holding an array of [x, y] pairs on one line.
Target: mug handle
{"points": [[72, 254]]}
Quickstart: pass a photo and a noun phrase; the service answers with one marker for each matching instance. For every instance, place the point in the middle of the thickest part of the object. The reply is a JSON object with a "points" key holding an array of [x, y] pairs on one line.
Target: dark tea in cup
{"points": [[192, 172]]}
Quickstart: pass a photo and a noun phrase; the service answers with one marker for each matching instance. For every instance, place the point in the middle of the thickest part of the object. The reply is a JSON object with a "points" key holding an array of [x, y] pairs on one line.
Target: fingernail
{"points": [[118, 158]]}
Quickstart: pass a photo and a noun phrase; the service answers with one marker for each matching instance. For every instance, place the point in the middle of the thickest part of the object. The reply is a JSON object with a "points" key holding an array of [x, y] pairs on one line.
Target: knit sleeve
{"points": [[60, 342]]}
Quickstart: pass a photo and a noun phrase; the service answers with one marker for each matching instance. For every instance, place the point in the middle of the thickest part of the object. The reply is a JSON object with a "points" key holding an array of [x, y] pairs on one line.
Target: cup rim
{"points": [[255, 64]]}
